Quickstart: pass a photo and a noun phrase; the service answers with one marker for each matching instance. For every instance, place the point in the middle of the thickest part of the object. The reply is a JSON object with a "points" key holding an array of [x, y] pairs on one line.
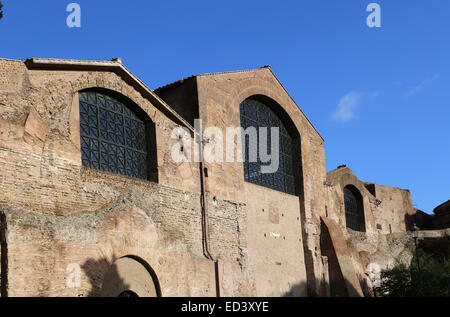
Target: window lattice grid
{"points": [[113, 138], [352, 210], [256, 114]]}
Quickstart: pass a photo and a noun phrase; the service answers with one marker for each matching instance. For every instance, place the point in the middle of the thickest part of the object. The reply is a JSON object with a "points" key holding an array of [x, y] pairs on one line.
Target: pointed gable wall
{"points": [[288, 249]]}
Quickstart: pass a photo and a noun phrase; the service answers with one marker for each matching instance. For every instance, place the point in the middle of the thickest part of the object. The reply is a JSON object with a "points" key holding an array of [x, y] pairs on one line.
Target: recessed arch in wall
{"points": [[130, 276], [354, 209], [260, 111]]}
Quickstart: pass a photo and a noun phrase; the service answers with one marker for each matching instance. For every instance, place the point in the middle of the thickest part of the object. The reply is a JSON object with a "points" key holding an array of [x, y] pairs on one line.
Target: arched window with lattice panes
{"points": [[114, 138], [255, 113]]}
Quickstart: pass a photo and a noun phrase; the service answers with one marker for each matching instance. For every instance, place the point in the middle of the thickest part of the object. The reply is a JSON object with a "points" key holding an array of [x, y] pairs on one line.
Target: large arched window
{"points": [[257, 114], [354, 209], [113, 137]]}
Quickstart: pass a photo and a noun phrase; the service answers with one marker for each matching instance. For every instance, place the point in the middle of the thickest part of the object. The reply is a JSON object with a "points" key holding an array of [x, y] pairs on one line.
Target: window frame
{"points": [[285, 178], [141, 168], [354, 213]]}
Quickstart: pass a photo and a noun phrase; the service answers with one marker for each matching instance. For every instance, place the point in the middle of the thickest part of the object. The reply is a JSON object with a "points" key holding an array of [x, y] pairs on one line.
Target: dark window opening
{"points": [[256, 114], [371, 189], [113, 136], [354, 209]]}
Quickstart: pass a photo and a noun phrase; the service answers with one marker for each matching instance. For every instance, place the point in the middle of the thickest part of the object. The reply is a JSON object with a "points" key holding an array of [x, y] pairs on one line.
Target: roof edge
{"points": [[441, 205], [115, 66], [181, 81], [312, 125]]}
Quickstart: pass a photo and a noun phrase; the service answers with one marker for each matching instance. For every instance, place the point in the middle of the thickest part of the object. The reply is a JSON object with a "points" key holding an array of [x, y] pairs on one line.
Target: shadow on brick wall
{"points": [[325, 290], [297, 290], [96, 270]]}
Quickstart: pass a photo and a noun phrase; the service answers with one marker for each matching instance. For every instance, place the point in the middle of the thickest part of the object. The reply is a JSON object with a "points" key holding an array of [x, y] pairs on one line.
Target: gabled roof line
{"points": [[181, 81], [114, 65], [11, 60], [441, 205], [297, 105]]}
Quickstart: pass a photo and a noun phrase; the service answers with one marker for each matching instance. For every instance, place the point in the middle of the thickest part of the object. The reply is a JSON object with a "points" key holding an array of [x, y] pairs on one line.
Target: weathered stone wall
{"points": [[275, 247], [283, 230], [385, 212], [373, 252], [267, 243], [59, 212], [385, 240]]}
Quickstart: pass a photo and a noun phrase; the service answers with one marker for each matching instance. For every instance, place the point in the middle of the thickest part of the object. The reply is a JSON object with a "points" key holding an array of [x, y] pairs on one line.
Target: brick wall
{"points": [[59, 212], [267, 243]]}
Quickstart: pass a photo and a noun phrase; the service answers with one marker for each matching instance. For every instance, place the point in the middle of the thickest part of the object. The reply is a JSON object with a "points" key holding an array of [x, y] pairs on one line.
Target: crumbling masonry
{"points": [[71, 227]]}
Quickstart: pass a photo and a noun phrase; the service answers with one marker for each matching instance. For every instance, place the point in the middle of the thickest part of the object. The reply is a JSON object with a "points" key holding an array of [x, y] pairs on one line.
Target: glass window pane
{"points": [[113, 138], [256, 114]]}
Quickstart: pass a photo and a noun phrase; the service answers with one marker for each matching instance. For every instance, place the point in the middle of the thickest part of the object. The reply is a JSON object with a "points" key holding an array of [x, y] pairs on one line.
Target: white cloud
{"points": [[421, 86], [347, 106]]}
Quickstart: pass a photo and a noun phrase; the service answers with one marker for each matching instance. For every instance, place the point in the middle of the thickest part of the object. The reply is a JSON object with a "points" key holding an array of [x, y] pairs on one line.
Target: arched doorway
{"points": [[130, 277]]}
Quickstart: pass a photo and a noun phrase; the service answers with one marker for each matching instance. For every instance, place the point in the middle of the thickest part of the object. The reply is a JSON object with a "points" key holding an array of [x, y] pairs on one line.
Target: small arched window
{"points": [[113, 137], [255, 113], [354, 209]]}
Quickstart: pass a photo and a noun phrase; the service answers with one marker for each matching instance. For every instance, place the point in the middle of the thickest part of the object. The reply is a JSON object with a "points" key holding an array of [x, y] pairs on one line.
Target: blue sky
{"points": [[379, 96]]}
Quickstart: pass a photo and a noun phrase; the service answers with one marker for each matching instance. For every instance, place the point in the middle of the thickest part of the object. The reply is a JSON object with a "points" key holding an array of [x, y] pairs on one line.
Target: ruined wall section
{"points": [[385, 241], [219, 98], [60, 212], [384, 213], [373, 252], [337, 180], [396, 205]]}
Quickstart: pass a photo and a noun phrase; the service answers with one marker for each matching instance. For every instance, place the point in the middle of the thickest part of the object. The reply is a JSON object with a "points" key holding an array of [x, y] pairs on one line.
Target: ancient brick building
{"points": [[92, 203]]}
